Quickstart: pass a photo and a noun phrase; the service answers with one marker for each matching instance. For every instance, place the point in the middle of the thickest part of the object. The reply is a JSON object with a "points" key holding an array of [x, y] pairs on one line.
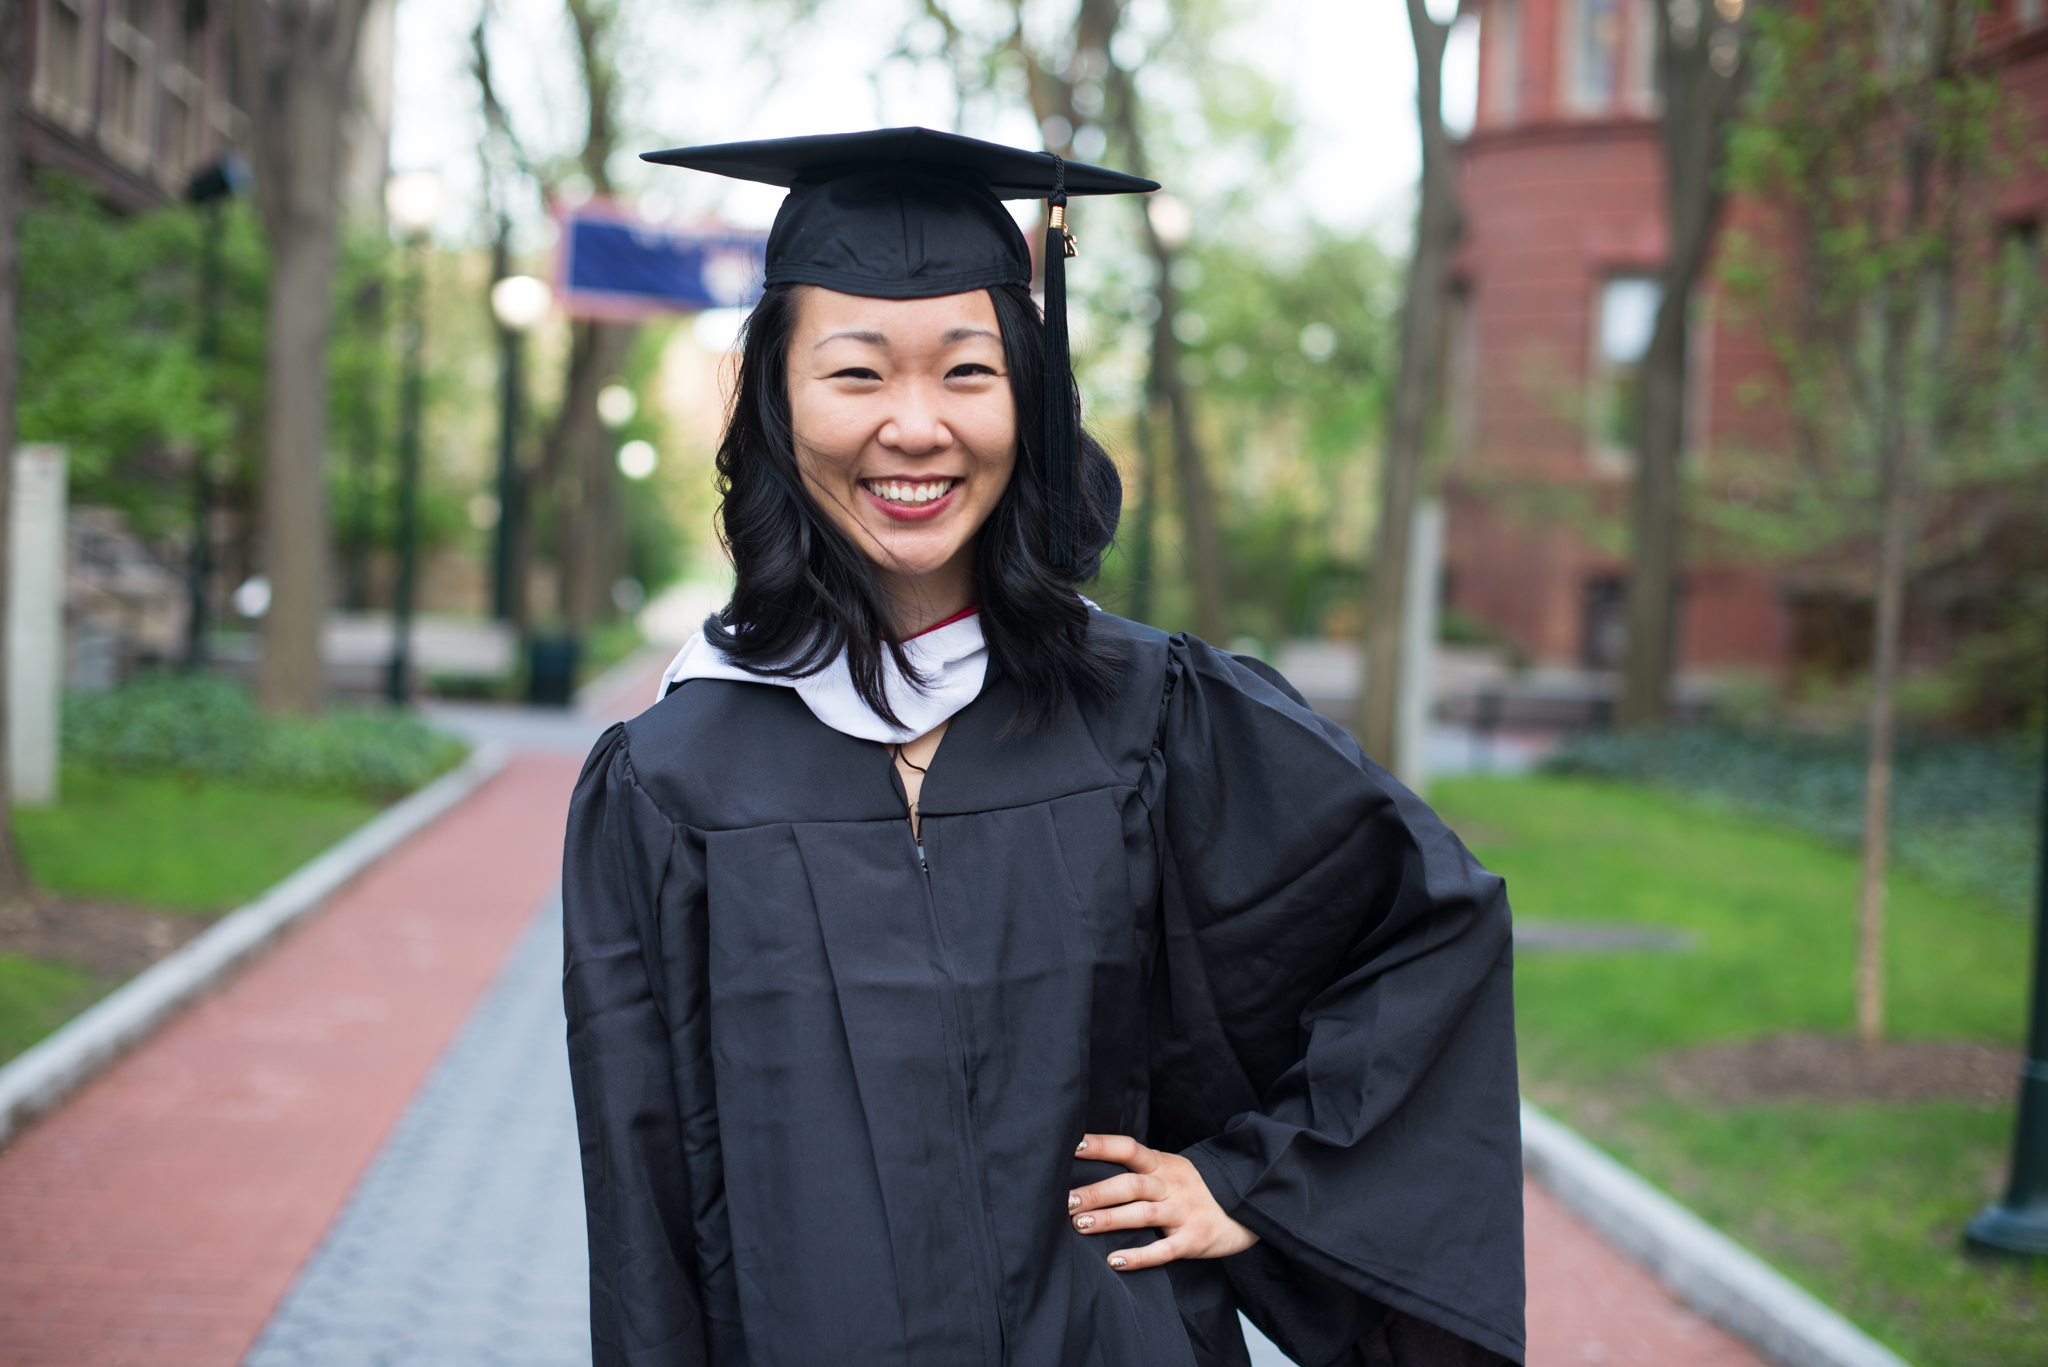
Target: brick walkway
{"points": [[1588, 1304], [159, 1216], [361, 1151]]}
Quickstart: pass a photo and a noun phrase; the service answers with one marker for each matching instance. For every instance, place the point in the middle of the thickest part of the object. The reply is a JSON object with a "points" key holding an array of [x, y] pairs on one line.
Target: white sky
{"points": [[1346, 67]]}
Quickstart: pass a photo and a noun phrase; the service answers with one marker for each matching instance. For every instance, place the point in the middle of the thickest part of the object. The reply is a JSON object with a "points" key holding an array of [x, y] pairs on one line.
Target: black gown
{"points": [[828, 1096]]}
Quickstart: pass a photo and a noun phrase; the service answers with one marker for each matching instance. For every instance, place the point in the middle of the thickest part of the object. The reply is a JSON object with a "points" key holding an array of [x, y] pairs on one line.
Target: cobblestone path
{"points": [[464, 1243]]}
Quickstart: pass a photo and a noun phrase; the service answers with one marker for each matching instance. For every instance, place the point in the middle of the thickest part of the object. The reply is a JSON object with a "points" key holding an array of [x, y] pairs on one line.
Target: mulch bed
{"points": [[111, 940], [1840, 1069]]}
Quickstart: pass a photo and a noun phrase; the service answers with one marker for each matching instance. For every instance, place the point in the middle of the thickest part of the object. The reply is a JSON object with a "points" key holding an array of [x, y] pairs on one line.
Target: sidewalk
{"points": [[362, 1150]]}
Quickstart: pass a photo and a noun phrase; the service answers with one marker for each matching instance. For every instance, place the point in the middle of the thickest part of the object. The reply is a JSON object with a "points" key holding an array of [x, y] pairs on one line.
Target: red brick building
{"points": [[1561, 182]]}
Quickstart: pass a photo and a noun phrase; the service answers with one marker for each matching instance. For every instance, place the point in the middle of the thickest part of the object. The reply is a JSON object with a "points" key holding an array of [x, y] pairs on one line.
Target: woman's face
{"points": [[906, 433]]}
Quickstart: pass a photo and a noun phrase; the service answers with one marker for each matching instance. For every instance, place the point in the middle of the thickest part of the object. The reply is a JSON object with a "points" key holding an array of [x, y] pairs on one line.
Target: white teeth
{"points": [[896, 491]]}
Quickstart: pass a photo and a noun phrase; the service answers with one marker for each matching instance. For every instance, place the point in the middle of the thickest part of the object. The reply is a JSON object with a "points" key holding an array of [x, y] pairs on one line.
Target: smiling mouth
{"points": [[906, 493]]}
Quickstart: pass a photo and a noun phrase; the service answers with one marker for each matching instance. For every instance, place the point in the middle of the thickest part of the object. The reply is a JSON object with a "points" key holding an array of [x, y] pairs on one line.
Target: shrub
{"points": [[1965, 810], [205, 727]]}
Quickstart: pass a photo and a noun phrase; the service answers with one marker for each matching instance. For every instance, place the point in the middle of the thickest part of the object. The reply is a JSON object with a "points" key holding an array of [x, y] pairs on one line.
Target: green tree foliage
{"points": [[1291, 358], [1875, 140], [110, 346], [113, 367]]}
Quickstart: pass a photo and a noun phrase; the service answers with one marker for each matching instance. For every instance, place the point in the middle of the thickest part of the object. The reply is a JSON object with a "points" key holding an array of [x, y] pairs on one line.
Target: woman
{"points": [[958, 974]]}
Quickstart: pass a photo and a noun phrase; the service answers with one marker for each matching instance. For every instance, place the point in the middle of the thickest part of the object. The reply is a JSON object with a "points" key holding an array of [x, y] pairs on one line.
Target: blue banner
{"points": [[615, 267]]}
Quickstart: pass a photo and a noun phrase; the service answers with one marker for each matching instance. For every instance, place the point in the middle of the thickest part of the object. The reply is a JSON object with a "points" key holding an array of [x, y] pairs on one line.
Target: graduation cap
{"points": [[910, 213]]}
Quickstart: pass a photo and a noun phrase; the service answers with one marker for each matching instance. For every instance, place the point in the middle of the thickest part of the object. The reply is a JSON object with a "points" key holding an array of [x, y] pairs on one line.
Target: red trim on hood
{"points": [[961, 615]]}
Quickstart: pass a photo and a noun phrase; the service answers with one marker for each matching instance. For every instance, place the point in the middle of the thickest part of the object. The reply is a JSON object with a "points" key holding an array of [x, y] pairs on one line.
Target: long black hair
{"points": [[805, 591]]}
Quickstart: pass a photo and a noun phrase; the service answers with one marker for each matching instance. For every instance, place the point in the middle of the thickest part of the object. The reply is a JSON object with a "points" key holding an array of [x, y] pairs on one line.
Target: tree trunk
{"points": [[578, 465], [14, 883], [1701, 77], [1907, 358], [1201, 537], [578, 462], [1895, 499], [1199, 533], [512, 540], [1877, 790], [1144, 534], [299, 59], [1418, 383]]}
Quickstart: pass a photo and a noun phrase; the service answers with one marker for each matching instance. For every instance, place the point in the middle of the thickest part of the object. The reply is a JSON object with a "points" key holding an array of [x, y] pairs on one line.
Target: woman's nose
{"points": [[915, 428]]}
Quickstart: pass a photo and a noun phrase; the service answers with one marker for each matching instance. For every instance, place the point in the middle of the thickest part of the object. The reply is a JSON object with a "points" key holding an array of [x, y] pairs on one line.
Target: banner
{"points": [[616, 268]]}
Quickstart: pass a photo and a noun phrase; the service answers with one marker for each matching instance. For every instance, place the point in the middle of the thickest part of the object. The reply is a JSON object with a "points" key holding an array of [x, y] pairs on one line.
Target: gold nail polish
{"points": [[1084, 1222], [1072, 1200], [1117, 1261]]}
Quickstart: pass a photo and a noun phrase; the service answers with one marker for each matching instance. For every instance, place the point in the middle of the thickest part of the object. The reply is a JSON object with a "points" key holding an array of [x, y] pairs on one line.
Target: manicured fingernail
{"points": [[1084, 1221], [1072, 1200], [1080, 1146], [1117, 1260]]}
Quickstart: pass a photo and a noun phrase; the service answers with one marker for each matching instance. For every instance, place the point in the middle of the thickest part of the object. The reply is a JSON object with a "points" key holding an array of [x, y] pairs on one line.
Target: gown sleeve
{"points": [[620, 886], [1334, 1045]]}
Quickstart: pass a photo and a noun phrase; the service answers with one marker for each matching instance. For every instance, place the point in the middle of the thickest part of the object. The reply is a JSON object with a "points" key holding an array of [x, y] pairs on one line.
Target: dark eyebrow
{"points": [[871, 338], [962, 334]]}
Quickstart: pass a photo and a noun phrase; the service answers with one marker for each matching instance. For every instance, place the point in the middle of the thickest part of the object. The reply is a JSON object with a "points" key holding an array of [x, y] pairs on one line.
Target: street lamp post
{"points": [[2017, 1227], [413, 200], [519, 303]]}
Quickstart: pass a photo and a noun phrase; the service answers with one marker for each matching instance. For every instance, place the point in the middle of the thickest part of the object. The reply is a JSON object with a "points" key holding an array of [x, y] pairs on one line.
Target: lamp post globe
{"points": [[413, 200], [521, 302], [616, 405]]}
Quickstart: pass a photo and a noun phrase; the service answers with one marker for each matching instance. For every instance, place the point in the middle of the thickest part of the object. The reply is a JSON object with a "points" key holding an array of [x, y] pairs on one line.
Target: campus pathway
{"points": [[362, 1150]]}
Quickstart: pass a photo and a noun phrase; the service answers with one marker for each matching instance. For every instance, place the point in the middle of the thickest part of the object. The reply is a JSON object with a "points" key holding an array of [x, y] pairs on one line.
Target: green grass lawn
{"points": [[161, 842], [1863, 1204], [37, 997]]}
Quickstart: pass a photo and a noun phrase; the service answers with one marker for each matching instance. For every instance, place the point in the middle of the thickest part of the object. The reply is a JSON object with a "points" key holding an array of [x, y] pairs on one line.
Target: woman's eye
{"points": [[969, 368], [854, 372]]}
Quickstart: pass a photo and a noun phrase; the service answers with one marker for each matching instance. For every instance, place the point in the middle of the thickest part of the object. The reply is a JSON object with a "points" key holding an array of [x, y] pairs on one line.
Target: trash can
{"points": [[551, 670]]}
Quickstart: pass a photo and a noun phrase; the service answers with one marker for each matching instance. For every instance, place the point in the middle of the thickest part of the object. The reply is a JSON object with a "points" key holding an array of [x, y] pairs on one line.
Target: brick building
{"points": [[1561, 180], [133, 96], [130, 96]]}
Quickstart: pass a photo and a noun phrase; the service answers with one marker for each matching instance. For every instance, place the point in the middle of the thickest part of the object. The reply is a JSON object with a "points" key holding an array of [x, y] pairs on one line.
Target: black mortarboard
{"points": [[909, 213]]}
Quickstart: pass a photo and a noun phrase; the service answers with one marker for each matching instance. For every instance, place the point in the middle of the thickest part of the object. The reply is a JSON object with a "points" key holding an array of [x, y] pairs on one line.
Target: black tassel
{"points": [[1062, 401]]}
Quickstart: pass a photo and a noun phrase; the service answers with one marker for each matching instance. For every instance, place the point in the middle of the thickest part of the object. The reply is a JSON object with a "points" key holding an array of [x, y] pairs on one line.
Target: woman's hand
{"points": [[1161, 1191]]}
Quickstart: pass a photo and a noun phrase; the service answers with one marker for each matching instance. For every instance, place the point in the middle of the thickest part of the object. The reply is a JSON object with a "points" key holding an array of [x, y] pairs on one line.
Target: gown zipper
{"points": [[991, 1255], [964, 1063]]}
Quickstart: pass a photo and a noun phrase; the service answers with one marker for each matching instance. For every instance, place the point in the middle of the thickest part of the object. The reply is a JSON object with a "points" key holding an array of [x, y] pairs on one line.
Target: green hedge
{"points": [[205, 727], [1965, 811]]}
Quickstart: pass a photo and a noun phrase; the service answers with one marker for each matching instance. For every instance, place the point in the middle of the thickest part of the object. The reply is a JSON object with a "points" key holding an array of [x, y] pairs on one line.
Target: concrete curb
{"points": [[42, 1077], [1700, 1265]]}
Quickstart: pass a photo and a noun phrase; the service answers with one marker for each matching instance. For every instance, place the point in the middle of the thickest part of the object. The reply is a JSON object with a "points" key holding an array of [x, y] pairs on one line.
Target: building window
{"points": [[131, 85], [1461, 391], [1640, 81], [1624, 315], [1603, 622], [1500, 42], [1592, 54], [63, 88], [2023, 315], [184, 94]]}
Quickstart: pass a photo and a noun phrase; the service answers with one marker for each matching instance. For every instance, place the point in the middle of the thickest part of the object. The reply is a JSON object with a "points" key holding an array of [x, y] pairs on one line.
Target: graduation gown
{"points": [[828, 1092]]}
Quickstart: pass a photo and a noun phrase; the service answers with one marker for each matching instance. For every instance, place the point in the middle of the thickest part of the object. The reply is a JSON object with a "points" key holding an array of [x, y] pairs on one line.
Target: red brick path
{"points": [[158, 1217], [1588, 1304]]}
